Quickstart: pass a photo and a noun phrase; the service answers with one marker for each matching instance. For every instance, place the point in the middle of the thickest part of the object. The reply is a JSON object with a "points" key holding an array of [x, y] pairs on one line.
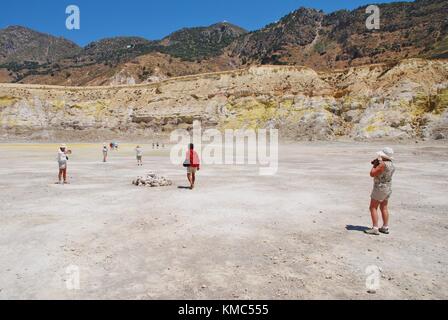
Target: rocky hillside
{"points": [[297, 29], [304, 37], [107, 61], [340, 39], [148, 68], [112, 50], [19, 45], [200, 43], [406, 100]]}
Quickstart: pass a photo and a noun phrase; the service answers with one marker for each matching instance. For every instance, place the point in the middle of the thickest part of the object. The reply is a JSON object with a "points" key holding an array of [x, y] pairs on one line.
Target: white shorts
{"points": [[62, 164]]}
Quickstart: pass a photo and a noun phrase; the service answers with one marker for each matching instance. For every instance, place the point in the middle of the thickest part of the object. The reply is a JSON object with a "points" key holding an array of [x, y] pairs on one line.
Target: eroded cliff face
{"points": [[403, 101]]}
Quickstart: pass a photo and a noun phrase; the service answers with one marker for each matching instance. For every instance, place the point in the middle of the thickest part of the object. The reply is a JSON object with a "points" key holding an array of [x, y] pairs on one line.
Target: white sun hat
{"points": [[386, 153], [63, 145]]}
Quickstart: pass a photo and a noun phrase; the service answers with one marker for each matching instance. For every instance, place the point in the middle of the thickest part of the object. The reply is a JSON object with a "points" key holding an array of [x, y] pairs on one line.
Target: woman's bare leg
{"points": [[385, 213], [374, 212], [64, 174], [190, 179], [60, 175]]}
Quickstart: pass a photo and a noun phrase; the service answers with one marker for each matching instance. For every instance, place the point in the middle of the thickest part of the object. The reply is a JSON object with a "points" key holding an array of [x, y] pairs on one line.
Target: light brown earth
{"points": [[400, 102], [238, 235]]}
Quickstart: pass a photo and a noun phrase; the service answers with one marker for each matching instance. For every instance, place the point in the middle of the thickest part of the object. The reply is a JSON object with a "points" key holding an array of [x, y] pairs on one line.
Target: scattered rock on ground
{"points": [[152, 180]]}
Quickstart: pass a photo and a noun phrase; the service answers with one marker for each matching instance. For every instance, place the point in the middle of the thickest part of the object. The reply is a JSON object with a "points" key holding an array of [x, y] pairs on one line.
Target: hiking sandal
{"points": [[372, 232]]}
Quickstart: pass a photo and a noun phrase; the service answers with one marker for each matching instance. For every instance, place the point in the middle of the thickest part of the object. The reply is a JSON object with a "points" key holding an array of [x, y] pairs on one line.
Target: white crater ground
{"points": [[297, 234]]}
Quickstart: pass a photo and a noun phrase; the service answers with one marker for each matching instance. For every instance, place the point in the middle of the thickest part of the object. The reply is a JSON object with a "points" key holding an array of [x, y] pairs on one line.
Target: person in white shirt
{"points": [[62, 162], [139, 153]]}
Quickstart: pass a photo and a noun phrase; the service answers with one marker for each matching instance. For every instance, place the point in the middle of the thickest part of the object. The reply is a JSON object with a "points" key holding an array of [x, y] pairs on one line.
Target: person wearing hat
{"points": [[62, 161], [104, 152], [382, 172]]}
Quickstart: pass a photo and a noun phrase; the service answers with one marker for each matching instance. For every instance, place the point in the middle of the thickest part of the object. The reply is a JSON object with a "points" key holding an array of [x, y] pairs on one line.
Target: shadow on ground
{"points": [[350, 227]]}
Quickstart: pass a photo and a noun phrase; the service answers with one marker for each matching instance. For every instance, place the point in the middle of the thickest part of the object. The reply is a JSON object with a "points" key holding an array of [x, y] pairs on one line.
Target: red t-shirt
{"points": [[193, 158]]}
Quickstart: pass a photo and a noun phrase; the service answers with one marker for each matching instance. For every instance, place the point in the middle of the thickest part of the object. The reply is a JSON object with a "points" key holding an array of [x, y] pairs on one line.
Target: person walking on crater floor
{"points": [[382, 173], [192, 164]]}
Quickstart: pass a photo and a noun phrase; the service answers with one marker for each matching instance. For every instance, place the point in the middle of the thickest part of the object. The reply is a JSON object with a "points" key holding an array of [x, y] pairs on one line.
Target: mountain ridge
{"points": [[305, 36]]}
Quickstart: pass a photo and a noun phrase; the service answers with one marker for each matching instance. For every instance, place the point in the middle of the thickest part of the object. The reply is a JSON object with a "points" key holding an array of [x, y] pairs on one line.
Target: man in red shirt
{"points": [[192, 159]]}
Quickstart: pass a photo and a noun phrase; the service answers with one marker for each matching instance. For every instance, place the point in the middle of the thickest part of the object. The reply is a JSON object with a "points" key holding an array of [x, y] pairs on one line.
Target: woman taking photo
{"points": [[62, 162], [382, 172]]}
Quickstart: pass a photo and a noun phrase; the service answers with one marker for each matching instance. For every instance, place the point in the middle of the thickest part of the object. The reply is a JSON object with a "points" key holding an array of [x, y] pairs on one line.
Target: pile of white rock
{"points": [[152, 180]]}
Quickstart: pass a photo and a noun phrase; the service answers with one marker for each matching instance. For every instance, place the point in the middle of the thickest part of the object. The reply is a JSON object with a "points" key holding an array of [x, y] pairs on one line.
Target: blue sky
{"points": [[154, 19]]}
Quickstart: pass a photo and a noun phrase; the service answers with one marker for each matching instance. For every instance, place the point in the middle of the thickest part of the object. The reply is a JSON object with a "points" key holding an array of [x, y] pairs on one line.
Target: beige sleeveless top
{"points": [[382, 185]]}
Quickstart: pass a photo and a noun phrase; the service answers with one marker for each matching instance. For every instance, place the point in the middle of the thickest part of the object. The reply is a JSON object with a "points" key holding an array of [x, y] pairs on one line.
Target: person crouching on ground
{"points": [[139, 153], [192, 161], [62, 161], [104, 152], [382, 172]]}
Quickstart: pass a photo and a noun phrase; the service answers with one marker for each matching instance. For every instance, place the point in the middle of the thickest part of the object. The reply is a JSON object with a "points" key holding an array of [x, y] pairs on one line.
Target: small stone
{"points": [[439, 136], [371, 291]]}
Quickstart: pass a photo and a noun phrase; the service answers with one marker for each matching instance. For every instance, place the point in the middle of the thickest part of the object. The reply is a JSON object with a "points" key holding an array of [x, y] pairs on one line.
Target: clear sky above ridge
{"points": [[154, 19]]}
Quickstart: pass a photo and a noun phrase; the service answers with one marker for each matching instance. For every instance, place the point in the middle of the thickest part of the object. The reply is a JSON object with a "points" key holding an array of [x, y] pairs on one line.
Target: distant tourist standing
{"points": [[105, 152], [113, 145], [62, 162], [192, 164], [382, 172], [139, 154]]}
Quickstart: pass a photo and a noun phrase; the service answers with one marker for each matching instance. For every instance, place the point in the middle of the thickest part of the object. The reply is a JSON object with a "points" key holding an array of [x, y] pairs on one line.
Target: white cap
{"points": [[386, 153]]}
